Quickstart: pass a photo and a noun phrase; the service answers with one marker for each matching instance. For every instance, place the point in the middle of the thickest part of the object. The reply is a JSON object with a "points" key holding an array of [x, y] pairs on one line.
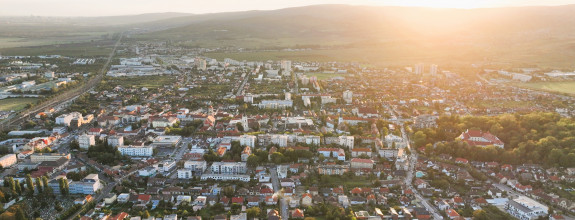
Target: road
{"points": [[284, 209], [241, 88], [409, 178]]}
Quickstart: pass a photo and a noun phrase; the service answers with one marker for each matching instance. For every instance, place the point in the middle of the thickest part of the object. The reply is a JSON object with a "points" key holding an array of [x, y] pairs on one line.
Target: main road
{"points": [[412, 161]]}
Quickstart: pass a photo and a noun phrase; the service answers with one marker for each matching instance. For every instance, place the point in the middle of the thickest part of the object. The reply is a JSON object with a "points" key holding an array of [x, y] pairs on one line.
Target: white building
{"points": [[229, 168], [226, 177], [196, 166], [390, 139], [116, 141], [286, 65], [85, 141], [248, 140], [348, 96], [136, 151], [8, 160], [525, 208], [419, 68], [87, 186], [65, 119], [185, 174], [433, 69], [166, 166]]}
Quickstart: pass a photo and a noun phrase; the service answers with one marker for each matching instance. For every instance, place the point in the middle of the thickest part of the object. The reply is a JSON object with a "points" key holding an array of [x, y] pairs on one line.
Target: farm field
{"points": [[16, 104], [559, 87]]}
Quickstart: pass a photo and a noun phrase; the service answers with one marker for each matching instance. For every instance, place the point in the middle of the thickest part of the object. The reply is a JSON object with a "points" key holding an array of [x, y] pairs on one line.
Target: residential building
{"points": [[116, 141], [525, 208], [87, 186], [229, 167], [85, 141], [480, 138], [8, 160], [136, 151]]}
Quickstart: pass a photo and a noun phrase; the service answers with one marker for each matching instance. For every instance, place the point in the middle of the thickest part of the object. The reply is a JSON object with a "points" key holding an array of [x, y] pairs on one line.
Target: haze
{"points": [[124, 7]]}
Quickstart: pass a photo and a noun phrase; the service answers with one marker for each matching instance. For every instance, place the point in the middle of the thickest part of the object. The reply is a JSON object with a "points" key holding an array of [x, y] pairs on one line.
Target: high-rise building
{"points": [[433, 69], [348, 96], [200, 63], [286, 65], [419, 68]]}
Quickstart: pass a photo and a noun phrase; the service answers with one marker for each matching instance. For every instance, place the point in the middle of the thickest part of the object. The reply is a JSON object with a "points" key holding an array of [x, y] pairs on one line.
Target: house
{"points": [[479, 138], [452, 214], [420, 184], [306, 199], [297, 214], [461, 161], [253, 201]]}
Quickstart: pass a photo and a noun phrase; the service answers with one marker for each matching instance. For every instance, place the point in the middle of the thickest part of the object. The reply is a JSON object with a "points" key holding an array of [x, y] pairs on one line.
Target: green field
{"points": [[16, 104], [559, 87]]}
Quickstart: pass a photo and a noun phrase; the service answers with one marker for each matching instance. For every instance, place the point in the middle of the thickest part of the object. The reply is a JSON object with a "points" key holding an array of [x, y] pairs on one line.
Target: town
{"points": [[191, 137]]}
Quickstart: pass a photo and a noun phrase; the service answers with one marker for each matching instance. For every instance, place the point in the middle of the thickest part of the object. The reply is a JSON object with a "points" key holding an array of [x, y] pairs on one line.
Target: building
{"points": [[116, 141], [419, 68], [185, 174], [41, 157], [65, 119], [198, 167], [332, 152], [525, 208], [167, 141], [8, 160], [358, 163], [348, 96], [391, 140], [85, 141], [357, 152], [248, 140], [87, 186], [136, 151], [275, 104], [167, 166], [433, 69], [229, 168], [226, 177], [480, 138], [246, 153], [329, 169], [286, 65]]}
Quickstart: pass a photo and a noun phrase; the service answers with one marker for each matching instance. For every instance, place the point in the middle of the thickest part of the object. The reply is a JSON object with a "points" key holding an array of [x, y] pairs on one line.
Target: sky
{"points": [[85, 8]]}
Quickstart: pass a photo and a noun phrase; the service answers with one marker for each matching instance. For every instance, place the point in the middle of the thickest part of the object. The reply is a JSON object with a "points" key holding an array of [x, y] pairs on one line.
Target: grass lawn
{"points": [[15, 104], [559, 87]]}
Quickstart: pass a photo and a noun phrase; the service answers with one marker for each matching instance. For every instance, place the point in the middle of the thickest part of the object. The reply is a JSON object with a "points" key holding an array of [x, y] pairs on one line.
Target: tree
{"points": [[419, 139], [29, 183], [480, 215], [146, 214], [39, 184], [20, 215], [253, 212], [253, 160]]}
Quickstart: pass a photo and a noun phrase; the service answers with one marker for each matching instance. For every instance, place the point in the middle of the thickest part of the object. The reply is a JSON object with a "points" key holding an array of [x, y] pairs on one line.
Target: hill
{"points": [[522, 34]]}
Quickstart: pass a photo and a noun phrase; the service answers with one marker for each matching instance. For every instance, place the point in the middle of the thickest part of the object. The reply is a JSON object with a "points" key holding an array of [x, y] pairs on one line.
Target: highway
{"points": [[62, 98]]}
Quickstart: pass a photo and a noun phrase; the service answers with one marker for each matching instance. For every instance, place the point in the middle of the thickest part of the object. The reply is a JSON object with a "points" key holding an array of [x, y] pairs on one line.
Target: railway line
{"points": [[19, 118]]}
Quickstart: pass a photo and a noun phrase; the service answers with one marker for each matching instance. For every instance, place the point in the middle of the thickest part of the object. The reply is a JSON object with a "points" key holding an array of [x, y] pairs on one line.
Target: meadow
{"points": [[16, 104]]}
